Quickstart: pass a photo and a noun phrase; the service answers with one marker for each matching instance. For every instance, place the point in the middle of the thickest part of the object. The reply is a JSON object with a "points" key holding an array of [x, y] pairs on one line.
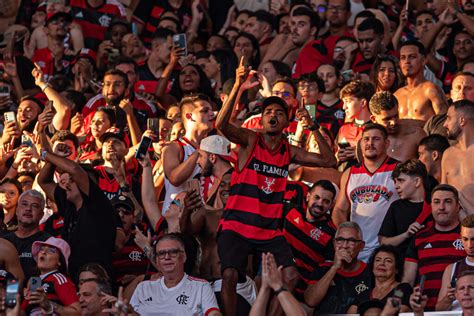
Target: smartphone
{"points": [[311, 108], [4, 91], [397, 294], [113, 53], [26, 141], [153, 124], [343, 145], [347, 75], [48, 106], [422, 287], [193, 184], [143, 147], [11, 292], [453, 282], [35, 283], [179, 40], [9, 117], [134, 29]]}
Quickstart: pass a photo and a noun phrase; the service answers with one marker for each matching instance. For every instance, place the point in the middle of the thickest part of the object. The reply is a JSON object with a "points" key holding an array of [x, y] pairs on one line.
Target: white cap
{"points": [[216, 144]]}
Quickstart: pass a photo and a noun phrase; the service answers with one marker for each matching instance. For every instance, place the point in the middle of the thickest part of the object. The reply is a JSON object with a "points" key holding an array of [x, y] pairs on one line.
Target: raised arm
{"points": [[178, 172], [135, 132], [61, 104], [150, 203], [11, 262], [240, 136], [189, 222], [438, 100], [340, 214]]}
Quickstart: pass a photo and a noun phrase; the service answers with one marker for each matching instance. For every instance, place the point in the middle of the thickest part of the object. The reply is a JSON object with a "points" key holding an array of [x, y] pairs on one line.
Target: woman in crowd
{"points": [[192, 80], [52, 259], [247, 45], [102, 120], [386, 265], [385, 74], [10, 190]]}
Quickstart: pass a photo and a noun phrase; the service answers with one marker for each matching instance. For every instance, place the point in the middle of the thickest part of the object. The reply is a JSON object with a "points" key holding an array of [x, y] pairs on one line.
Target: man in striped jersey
{"points": [[252, 218], [435, 247]]}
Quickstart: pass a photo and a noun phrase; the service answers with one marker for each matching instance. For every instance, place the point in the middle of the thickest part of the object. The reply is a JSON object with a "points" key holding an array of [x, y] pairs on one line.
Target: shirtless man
{"points": [[404, 136], [456, 167], [420, 99], [204, 221]]}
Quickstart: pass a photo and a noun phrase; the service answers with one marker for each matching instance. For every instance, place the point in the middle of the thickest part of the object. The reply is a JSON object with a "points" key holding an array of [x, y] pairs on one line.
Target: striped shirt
{"points": [[254, 208], [433, 251]]}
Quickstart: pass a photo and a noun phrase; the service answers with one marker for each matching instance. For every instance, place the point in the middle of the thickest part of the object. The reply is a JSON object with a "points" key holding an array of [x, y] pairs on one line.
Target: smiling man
{"points": [[175, 293]]}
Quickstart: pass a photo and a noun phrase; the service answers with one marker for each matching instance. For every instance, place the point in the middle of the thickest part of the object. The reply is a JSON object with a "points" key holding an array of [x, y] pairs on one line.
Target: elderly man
{"points": [[329, 282], [29, 213], [175, 292]]}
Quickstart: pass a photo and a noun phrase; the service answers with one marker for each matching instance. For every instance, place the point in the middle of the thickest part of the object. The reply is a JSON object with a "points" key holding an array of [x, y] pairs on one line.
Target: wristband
{"points": [[315, 127], [281, 289], [44, 86]]}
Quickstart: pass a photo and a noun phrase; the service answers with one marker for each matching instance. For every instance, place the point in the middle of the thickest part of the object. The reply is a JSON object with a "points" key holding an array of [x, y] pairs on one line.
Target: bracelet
{"points": [[51, 309], [146, 251], [13, 166], [281, 289], [44, 86]]}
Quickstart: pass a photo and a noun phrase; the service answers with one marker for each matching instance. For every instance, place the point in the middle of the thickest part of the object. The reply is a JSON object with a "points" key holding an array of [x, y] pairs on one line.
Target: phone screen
{"points": [[143, 148], [11, 292]]}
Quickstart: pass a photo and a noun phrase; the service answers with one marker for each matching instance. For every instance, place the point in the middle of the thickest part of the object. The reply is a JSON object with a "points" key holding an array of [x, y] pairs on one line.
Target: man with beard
{"points": [[255, 205], [446, 297], [456, 166], [114, 90], [180, 157], [430, 152], [403, 135], [367, 189], [310, 233], [27, 115], [420, 99], [304, 24], [204, 220], [52, 59]]}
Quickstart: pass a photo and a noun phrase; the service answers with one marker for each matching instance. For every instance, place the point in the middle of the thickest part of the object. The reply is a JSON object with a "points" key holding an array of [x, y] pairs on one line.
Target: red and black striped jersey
{"points": [[254, 208], [311, 242], [433, 251], [130, 260], [59, 289], [95, 21], [149, 13], [107, 182], [331, 116]]}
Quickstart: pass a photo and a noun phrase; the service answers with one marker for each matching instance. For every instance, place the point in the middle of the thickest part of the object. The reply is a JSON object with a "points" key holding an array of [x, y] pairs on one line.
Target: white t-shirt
{"points": [[191, 296]]}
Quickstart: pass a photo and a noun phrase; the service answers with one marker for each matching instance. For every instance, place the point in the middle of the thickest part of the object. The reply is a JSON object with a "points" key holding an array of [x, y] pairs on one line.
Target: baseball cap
{"points": [[216, 144], [57, 15], [113, 132], [86, 53], [58, 243], [123, 201], [275, 100]]}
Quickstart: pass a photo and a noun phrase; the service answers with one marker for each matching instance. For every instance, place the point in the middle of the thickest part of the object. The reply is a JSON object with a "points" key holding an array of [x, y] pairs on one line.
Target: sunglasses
{"points": [[50, 250], [172, 253]]}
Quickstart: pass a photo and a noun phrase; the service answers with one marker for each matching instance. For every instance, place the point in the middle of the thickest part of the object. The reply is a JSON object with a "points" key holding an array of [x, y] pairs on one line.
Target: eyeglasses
{"points": [[177, 203], [336, 9], [172, 253], [350, 241], [50, 250], [282, 94]]}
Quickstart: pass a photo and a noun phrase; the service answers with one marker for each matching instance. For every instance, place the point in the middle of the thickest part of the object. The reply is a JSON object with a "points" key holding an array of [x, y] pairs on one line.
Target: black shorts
{"points": [[234, 250]]}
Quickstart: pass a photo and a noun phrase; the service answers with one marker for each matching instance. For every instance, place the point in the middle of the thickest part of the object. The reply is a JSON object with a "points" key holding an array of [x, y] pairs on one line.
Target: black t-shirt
{"points": [[91, 230], [400, 215], [404, 287], [23, 246], [344, 290]]}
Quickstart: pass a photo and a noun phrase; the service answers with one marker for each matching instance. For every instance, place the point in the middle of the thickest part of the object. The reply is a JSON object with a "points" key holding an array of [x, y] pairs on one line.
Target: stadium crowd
{"points": [[203, 157]]}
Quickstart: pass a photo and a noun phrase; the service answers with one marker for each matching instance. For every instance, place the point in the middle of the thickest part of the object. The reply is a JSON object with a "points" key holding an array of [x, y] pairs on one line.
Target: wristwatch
{"points": [[281, 289]]}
